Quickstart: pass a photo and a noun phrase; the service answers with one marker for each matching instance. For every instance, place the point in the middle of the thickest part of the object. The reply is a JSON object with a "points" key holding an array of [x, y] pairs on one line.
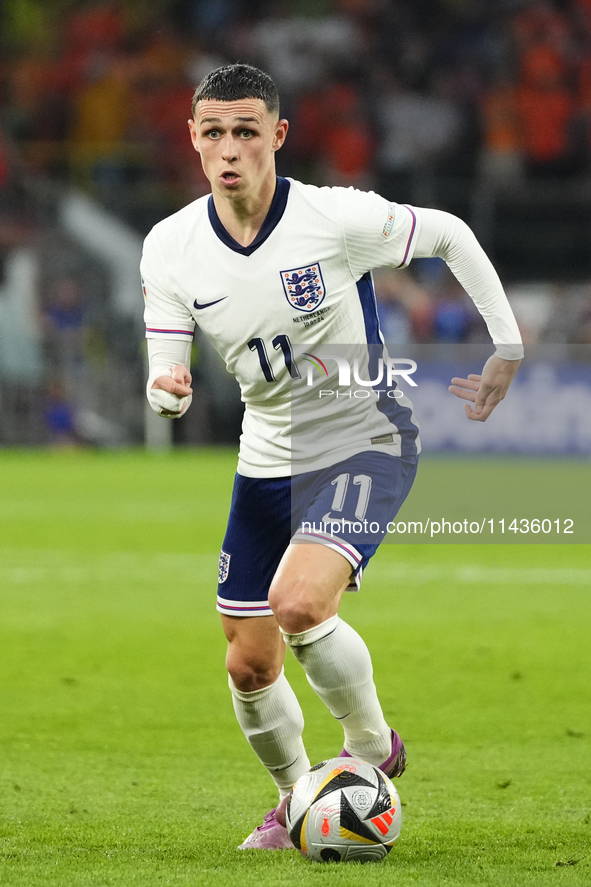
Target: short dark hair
{"points": [[239, 81]]}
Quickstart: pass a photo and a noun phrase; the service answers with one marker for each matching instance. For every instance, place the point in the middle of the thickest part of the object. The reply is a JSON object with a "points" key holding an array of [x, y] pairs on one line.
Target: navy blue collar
{"points": [[272, 219]]}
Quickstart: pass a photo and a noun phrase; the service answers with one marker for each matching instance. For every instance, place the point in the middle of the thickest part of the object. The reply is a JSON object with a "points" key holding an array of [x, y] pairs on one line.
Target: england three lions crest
{"points": [[304, 287], [224, 566]]}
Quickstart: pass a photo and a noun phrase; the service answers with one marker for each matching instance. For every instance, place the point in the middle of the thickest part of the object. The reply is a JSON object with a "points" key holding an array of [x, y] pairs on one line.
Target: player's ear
{"points": [[193, 131], [281, 128]]}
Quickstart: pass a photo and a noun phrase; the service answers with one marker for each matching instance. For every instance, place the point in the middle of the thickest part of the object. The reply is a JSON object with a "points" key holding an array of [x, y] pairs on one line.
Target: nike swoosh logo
{"points": [[208, 304], [279, 769], [328, 519]]}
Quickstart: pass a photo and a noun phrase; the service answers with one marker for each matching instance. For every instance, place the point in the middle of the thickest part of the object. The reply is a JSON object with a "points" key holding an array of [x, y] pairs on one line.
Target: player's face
{"points": [[237, 143]]}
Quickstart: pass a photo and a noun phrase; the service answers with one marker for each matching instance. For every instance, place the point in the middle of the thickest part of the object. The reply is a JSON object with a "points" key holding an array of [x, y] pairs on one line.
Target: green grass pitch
{"points": [[121, 762]]}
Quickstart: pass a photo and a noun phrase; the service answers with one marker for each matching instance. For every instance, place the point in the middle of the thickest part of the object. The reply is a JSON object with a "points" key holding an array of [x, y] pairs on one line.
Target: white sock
{"points": [[272, 721], [338, 667]]}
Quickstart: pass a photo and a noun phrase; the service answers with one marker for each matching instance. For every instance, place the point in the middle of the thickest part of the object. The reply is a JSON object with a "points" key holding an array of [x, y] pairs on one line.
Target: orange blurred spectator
{"points": [[89, 36], [35, 115], [583, 8], [542, 23], [541, 64], [97, 25], [347, 140], [584, 96], [502, 119], [100, 124], [305, 124], [501, 159], [546, 110], [26, 89], [162, 106]]}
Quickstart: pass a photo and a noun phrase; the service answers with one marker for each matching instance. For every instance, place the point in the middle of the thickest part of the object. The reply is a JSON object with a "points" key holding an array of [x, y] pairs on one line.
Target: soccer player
{"points": [[266, 266]]}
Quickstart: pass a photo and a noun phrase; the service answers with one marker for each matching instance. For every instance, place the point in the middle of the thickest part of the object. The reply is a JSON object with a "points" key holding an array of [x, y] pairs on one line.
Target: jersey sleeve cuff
{"points": [[509, 352], [177, 332]]}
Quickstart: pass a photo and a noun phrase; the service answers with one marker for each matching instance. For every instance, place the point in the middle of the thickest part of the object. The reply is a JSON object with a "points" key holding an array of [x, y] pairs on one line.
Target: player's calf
{"points": [[255, 651]]}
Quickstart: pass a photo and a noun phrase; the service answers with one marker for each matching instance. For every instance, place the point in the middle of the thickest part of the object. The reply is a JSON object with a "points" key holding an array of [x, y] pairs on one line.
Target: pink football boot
{"points": [[272, 834], [396, 763]]}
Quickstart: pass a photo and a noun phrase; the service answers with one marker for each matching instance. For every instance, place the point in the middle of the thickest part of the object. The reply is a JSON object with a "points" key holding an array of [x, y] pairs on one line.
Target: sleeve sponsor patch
{"points": [[389, 221]]}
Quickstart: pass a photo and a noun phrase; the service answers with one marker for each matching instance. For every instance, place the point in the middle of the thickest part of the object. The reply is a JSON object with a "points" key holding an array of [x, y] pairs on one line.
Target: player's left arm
{"points": [[445, 236], [486, 390]]}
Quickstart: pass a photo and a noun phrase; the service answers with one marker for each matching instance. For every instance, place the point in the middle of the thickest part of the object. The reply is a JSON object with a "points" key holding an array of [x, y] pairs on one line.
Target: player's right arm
{"points": [[169, 331], [169, 389]]}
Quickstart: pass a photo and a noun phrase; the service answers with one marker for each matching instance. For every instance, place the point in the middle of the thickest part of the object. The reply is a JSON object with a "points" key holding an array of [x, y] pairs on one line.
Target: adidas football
{"points": [[343, 810]]}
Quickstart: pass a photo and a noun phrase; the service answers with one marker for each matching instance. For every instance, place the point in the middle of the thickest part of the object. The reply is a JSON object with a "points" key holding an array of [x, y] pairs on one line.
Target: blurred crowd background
{"points": [[479, 108]]}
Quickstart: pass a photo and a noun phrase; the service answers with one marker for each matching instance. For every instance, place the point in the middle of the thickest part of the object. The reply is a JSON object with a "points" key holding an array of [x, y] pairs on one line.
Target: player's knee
{"points": [[251, 673], [296, 612]]}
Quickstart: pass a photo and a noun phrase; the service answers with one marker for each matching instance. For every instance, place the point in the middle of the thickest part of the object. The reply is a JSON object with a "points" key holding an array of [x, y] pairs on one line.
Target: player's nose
{"points": [[229, 147]]}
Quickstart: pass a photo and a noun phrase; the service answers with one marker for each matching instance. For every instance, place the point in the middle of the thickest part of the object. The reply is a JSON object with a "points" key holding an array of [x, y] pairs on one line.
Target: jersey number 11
{"points": [[282, 342]]}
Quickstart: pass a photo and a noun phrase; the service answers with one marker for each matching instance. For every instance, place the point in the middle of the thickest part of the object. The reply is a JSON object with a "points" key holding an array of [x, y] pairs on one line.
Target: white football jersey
{"points": [[304, 282]]}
